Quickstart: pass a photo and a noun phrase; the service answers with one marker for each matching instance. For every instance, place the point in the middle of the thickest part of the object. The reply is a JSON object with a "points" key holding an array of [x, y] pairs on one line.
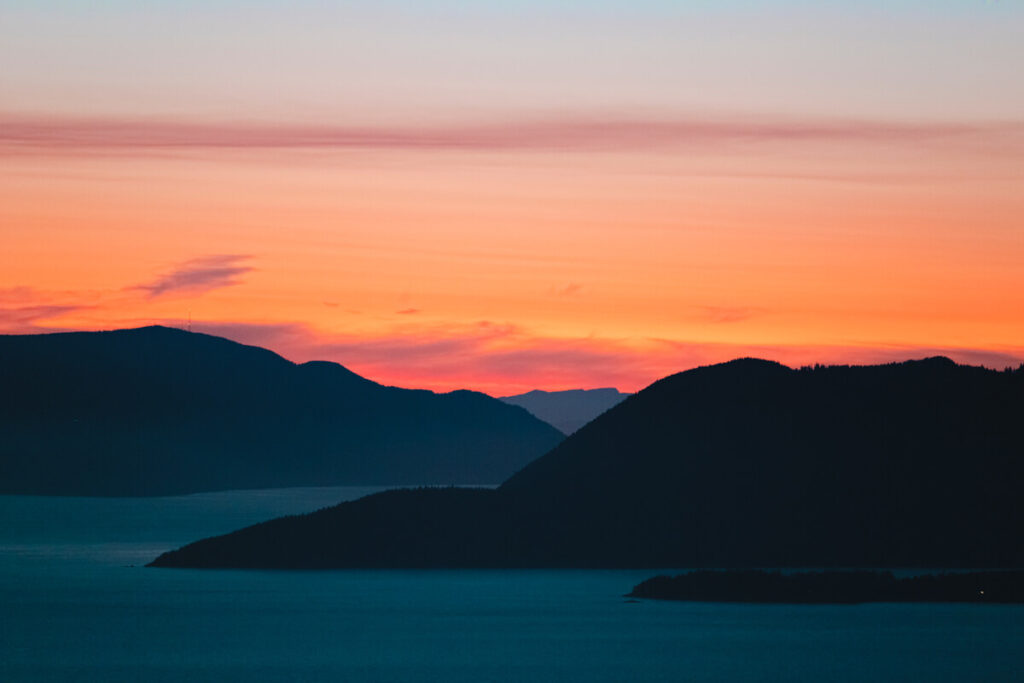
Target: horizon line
{"points": [[926, 355]]}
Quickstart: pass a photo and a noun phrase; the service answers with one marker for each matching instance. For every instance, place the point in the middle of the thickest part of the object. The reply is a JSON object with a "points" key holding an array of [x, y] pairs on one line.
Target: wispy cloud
{"points": [[24, 319], [727, 314], [502, 359], [571, 289], [581, 133], [26, 310], [495, 357], [199, 275]]}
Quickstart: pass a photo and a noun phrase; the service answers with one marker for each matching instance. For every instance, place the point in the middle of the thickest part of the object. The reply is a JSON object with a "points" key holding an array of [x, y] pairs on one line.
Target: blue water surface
{"points": [[77, 604]]}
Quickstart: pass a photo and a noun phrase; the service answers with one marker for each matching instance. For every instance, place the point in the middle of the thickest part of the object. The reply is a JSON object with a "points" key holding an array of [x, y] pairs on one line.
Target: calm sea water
{"points": [[76, 604]]}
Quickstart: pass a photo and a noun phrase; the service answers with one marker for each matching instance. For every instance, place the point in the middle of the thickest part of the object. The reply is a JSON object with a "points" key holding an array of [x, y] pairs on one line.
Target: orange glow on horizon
{"points": [[506, 270]]}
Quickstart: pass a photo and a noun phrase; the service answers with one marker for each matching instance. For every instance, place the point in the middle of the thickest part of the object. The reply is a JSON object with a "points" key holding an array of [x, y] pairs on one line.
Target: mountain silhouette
{"points": [[567, 410], [743, 464], [157, 411]]}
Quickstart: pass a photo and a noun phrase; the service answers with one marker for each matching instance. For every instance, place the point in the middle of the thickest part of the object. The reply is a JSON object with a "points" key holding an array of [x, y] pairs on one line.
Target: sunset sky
{"points": [[520, 194]]}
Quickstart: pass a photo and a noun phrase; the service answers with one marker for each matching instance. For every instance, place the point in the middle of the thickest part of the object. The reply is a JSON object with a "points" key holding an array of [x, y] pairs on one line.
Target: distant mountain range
{"points": [[567, 410], [156, 411], [744, 464]]}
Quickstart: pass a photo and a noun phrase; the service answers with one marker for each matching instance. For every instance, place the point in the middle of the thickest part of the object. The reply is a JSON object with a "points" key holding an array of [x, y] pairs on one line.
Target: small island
{"points": [[834, 587]]}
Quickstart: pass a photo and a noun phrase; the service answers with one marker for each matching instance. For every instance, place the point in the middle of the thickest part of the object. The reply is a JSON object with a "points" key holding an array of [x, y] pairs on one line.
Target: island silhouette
{"points": [[834, 587], [743, 464], [160, 411]]}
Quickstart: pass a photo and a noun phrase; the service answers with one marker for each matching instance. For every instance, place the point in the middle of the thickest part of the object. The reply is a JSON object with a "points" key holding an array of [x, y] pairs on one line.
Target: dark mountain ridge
{"points": [[157, 411], [567, 410], [743, 464]]}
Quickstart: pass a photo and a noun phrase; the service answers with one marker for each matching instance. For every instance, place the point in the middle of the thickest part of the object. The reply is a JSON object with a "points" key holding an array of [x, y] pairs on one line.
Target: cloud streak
{"points": [[198, 276], [26, 310], [503, 359], [25, 134], [23, 319], [727, 314]]}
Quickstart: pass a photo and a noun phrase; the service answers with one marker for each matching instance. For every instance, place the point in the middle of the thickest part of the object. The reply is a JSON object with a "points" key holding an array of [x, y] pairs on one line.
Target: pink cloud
{"points": [[504, 359], [199, 275], [571, 289], [25, 133], [501, 359], [728, 314], [26, 319], [26, 310]]}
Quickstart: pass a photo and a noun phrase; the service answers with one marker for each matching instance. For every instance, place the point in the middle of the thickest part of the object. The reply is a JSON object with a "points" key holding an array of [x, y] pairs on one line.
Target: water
{"points": [[73, 607]]}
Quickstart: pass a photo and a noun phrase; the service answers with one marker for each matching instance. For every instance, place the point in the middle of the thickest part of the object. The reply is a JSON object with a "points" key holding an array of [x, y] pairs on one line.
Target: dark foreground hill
{"points": [[744, 464], [157, 411], [567, 410], [846, 587]]}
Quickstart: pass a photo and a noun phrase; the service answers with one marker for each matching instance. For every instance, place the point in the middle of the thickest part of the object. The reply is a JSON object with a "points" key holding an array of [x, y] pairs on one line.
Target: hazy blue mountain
{"points": [[567, 410], [155, 411], [743, 464]]}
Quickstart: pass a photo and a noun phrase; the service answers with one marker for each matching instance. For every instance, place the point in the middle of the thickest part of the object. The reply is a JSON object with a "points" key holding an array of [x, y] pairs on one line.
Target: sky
{"points": [[515, 195]]}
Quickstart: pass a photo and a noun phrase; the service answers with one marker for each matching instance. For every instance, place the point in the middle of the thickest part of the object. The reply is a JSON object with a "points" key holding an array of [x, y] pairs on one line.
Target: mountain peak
{"points": [[846, 466], [567, 410], [156, 411]]}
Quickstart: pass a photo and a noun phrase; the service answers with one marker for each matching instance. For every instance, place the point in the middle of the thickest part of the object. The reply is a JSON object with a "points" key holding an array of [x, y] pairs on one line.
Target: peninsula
{"points": [[743, 464]]}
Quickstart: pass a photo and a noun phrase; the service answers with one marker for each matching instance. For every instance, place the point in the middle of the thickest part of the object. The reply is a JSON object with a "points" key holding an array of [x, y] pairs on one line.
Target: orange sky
{"points": [[510, 251], [824, 250]]}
